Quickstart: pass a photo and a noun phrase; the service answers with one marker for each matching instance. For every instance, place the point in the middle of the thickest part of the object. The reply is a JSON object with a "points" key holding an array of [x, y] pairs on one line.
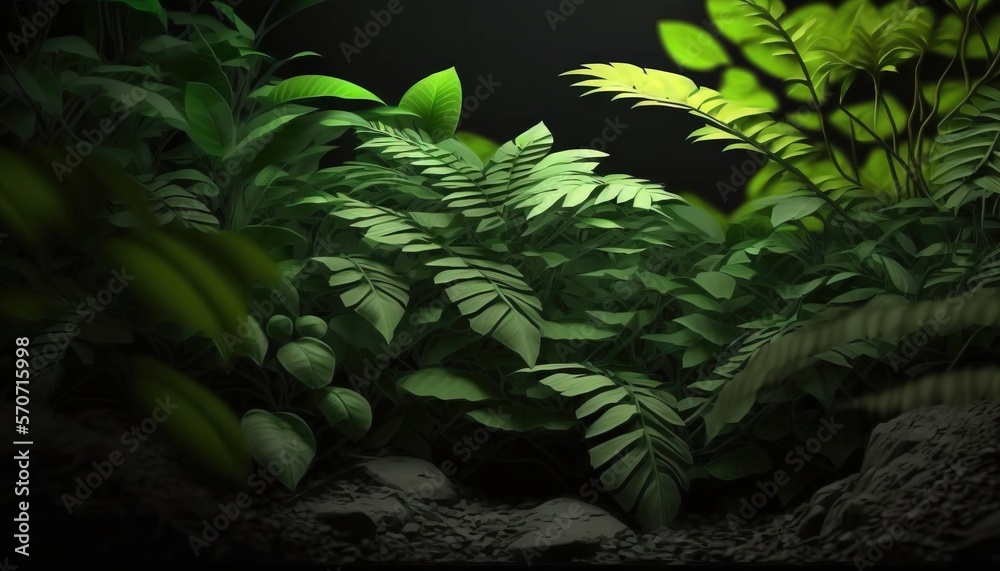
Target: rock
{"points": [[411, 528], [411, 475], [922, 476], [982, 537], [561, 533], [812, 523], [362, 517]]}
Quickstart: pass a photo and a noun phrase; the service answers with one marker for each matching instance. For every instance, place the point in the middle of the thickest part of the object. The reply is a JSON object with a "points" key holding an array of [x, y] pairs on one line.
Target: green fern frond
{"points": [[495, 298], [965, 160], [384, 225], [510, 171], [641, 453], [584, 191], [789, 40], [463, 183], [377, 294], [171, 203], [750, 128]]}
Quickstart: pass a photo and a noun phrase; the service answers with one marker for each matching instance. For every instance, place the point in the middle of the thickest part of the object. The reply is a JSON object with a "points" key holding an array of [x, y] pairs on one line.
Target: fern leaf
{"points": [[462, 182], [752, 126], [638, 445], [496, 300], [965, 159], [384, 226], [377, 293], [171, 203]]}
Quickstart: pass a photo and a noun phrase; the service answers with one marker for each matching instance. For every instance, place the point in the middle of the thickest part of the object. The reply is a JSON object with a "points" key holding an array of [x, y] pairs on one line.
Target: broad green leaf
{"points": [[450, 384], [576, 331], [308, 360], [345, 410], [437, 99], [253, 341], [741, 85], [282, 439], [691, 46], [699, 220], [311, 326], [210, 121], [71, 45], [902, 278], [241, 26], [710, 329], [149, 6], [308, 86], [720, 285], [731, 20], [795, 208], [280, 327]]}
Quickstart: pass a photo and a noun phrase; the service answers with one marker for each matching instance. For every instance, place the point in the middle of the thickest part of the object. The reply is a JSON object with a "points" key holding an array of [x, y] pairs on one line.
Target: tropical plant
{"points": [[769, 293], [911, 229], [840, 85], [223, 152]]}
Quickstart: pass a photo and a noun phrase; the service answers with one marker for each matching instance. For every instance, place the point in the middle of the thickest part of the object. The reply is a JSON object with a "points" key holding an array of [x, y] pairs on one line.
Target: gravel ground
{"points": [[928, 491]]}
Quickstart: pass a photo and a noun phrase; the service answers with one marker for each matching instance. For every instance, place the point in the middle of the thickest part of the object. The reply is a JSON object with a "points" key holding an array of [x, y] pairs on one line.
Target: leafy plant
{"points": [[440, 279], [838, 83], [894, 229], [222, 151]]}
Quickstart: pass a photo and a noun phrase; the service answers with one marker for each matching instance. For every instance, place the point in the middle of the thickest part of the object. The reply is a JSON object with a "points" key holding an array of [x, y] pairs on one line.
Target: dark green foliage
{"points": [[439, 277]]}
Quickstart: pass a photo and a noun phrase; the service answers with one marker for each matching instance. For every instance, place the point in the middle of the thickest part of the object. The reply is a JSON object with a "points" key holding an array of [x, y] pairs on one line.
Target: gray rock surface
{"points": [[361, 516], [928, 491], [564, 526], [914, 482], [413, 476]]}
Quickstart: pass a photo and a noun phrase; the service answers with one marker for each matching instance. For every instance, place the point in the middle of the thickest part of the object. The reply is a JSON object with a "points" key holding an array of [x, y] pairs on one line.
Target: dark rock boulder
{"points": [[929, 479]]}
